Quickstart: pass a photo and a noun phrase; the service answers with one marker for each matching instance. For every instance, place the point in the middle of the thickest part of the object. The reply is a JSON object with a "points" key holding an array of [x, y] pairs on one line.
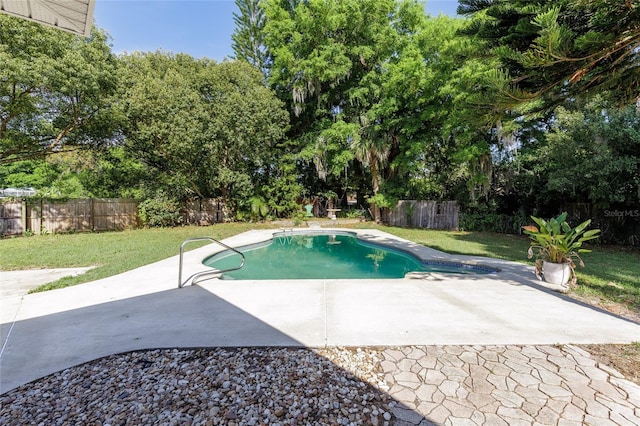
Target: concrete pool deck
{"points": [[46, 332]]}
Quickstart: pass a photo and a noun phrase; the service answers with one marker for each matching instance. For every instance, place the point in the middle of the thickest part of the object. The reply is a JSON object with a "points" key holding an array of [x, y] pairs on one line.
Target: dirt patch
{"points": [[623, 358]]}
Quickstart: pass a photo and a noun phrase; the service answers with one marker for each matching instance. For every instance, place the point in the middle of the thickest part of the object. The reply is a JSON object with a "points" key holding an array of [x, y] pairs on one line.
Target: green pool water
{"points": [[321, 256]]}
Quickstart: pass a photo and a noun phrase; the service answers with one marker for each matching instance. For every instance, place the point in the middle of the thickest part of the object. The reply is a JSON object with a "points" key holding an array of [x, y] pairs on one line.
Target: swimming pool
{"points": [[325, 255]]}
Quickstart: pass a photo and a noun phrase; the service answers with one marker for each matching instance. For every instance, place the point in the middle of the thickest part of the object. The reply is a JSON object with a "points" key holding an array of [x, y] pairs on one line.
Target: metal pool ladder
{"points": [[193, 277]]}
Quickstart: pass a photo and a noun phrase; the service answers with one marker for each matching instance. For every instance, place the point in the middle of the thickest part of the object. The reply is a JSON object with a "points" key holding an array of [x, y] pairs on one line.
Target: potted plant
{"points": [[558, 247]]}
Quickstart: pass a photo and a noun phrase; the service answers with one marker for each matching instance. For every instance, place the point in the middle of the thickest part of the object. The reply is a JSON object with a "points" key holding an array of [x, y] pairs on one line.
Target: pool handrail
{"points": [[193, 277]]}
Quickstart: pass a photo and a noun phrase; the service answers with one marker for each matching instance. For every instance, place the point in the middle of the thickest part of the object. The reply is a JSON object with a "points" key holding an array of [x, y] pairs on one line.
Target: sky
{"points": [[201, 28]]}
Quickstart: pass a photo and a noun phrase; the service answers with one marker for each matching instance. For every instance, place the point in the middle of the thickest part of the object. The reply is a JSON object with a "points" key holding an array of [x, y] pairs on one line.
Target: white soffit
{"points": [[75, 16]]}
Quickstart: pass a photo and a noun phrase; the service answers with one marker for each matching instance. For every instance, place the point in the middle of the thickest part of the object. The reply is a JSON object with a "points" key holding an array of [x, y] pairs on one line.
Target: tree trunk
{"points": [[375, 183]]}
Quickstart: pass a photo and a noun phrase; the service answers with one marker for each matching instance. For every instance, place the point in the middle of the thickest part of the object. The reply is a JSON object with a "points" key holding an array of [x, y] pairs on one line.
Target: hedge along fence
{"points": [[96, 214], [425, 214]]}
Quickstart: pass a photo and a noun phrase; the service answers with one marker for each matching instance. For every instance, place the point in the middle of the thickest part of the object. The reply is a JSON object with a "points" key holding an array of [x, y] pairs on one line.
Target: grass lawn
{"points": [[611, 273], [111, 252]]}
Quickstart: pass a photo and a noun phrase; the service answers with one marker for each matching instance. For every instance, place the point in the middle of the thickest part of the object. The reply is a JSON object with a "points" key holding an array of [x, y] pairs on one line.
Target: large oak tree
{"points": [[55, 90], [208, 129]]}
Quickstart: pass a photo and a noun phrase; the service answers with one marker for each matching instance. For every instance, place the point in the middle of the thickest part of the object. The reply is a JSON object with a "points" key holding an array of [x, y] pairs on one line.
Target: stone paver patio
{"points": [[507, 385]]}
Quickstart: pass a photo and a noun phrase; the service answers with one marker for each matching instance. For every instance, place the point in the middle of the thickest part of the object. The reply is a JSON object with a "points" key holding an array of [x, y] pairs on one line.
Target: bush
{"points": [[361, 214], [160, 211], [480, 219]]}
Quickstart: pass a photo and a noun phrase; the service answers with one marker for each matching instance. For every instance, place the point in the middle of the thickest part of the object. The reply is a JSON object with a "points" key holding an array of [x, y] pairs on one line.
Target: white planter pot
{"points": [[556, 273]]}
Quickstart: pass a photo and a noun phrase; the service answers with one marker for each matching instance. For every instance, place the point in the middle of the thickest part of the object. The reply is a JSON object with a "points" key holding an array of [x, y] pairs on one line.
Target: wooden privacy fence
{"points": [[205, 211], [425, 214], [75, 215], [11, 218], [95, 214]]}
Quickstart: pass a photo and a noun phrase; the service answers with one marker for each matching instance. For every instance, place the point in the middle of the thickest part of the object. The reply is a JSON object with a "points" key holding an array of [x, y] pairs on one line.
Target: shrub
{"points": [[160, 211], [481, 218]]}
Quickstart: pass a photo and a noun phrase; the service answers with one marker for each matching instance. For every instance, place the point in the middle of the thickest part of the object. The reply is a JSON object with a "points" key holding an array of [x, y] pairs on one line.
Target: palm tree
{"points": [[372, 150]]}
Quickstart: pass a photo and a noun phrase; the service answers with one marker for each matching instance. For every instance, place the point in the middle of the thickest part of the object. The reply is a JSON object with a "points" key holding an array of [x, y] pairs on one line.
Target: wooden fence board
{"points": [[11, 218], [67, 216], [76, 215], [205, 212], [111, 214], [425, 214]]}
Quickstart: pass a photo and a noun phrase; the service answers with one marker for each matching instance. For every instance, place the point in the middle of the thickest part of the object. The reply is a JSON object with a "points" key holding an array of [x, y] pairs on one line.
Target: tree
{"points": [[165, 118], [51, 177], [248, 37], [55, 90], [208, 129], [114, 172], [29, 173], [589, 155], [422, 109], [555, 50], [328, 61]]}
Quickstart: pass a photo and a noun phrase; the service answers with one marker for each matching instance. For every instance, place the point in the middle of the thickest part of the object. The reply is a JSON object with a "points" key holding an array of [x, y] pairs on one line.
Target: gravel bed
{"points": [[219, 386]]}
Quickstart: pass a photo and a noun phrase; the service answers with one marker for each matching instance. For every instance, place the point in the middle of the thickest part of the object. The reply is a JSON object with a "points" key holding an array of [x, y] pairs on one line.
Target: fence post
{"points": [[42, 219], [23, 215], [92, 215]]}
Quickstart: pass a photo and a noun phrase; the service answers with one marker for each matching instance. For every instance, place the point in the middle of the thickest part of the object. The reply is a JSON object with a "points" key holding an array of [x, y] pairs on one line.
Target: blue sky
{"points": [[201, 28]]}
